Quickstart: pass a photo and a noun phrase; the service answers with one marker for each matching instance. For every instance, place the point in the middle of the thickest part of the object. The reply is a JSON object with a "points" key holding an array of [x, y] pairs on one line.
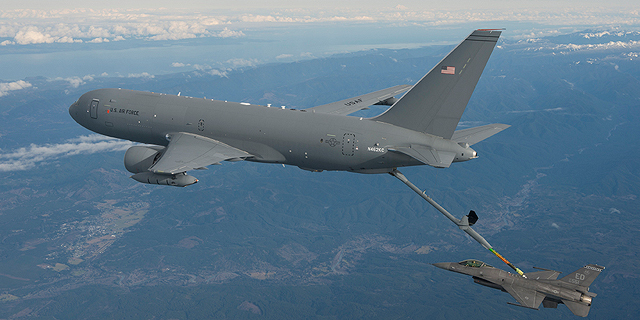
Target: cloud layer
{"points": [[24, 27], [28, 157]]}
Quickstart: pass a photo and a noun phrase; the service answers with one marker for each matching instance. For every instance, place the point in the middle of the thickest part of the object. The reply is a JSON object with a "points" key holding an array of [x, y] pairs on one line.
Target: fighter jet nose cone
{"points": [[442, 265]]}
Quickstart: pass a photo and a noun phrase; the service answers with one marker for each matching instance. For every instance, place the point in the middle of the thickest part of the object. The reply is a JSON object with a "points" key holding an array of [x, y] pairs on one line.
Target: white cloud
{"points": [[284, 56], [216, 72], [226, 33], [96, 26], [179, 65], [75, 82], [28, 157], [239, 62], [31, 35], [98, 40], [555, 225], [141, 75], [5, 87], [598, 46], [200, 67]]}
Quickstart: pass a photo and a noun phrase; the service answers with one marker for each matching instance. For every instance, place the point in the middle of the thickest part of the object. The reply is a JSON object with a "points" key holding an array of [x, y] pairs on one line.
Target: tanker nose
{"points": [[73, 111]]}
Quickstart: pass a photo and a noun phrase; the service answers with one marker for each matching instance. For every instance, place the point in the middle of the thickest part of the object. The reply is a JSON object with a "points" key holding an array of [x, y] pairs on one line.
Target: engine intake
{"points": [[140, 158]]}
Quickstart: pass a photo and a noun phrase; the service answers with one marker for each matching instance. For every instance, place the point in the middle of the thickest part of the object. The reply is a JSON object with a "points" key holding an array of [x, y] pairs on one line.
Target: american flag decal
{"points": [[448, 70]]}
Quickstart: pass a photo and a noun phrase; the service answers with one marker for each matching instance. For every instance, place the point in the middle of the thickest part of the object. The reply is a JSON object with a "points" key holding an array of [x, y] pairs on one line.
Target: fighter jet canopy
{"points": [[473, 263]]}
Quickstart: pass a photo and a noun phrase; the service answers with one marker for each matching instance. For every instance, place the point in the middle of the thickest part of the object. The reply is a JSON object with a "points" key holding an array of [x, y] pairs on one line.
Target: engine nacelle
{"points": [[176, 180], [140, 158]]}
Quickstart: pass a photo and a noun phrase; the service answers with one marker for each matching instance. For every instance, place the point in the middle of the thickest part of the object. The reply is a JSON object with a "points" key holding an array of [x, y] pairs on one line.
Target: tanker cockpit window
{"points": [[93, 109]]}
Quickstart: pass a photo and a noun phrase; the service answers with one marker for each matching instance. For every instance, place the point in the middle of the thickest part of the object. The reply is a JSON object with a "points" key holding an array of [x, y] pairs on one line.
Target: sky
{"points": [[80, 39], [34, 22], [316, 5]]}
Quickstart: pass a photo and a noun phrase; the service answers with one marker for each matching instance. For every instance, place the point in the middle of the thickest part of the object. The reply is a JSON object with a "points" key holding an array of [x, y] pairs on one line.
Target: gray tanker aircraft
{"points": [[186, 133], [538, 287]]}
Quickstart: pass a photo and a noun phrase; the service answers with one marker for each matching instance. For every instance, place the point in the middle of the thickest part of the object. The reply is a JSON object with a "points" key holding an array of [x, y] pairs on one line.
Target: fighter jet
{"points": [[538, 287], [185, 133]]}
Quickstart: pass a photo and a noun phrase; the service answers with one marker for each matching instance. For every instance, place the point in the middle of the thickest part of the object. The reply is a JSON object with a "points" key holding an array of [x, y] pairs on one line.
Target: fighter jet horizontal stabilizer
{"points": [[519, 305]]}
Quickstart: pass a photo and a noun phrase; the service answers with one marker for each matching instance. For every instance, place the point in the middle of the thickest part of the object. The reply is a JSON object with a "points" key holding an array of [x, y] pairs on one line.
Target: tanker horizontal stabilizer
{"points": [[472, 136], [187, 151]]}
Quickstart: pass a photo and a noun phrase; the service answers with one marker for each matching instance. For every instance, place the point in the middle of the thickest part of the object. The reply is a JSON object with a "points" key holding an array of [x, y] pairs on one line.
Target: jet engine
{"points": [[139, 159]]}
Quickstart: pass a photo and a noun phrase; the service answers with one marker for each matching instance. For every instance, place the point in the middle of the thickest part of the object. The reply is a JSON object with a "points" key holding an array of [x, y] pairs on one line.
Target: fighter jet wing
{"points": [[527, 298], [354, 104], [427, 155], [188, 151]]}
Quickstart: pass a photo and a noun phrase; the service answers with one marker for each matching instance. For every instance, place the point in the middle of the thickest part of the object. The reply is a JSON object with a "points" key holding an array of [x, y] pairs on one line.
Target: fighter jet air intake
{"points": [[185, 133]]}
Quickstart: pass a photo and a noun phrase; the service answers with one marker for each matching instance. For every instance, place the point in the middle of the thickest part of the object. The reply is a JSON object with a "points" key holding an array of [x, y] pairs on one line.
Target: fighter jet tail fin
{"points": [[584, 276], [436, 103], [579, 309]]}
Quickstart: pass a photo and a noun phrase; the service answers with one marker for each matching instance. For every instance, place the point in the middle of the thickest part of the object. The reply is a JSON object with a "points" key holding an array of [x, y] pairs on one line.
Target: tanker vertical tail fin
{"points": [[436, 103]]}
